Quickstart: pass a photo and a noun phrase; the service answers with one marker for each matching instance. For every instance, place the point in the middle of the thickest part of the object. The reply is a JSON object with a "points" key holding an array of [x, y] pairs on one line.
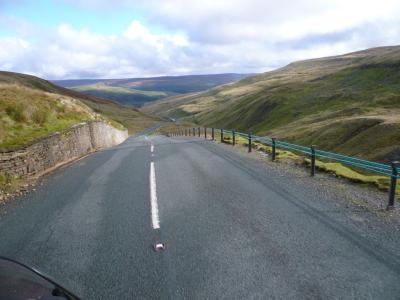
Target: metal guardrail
{"points": [[313, 152]]}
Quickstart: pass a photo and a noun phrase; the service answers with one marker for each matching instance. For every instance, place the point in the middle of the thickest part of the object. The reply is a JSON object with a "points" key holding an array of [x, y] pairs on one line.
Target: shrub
{"points": [[2, 132], [40, 116], [5, 178], [16, 112]]}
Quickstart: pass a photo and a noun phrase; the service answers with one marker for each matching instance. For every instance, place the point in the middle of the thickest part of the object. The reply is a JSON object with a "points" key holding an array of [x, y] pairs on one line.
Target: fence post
{"points": [[313, 160], [393, 185], [273, 149], [222, 135], [233, 138], [205, 132], [249, 138], [199, 131], [212, 133]]}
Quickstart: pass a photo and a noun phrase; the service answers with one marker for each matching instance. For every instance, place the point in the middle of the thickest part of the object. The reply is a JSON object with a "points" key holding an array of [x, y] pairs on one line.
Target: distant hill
{"points": [[138, 91], [31, 108], [348, 103]]}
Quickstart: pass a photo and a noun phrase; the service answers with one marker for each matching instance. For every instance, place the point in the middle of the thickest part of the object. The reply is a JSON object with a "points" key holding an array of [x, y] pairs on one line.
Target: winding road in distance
{"points": [[232, 228]]}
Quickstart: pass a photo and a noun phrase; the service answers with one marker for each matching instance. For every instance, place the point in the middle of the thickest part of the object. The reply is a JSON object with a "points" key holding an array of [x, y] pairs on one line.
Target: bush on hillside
{"points": [[40, 116], [16, 113]]}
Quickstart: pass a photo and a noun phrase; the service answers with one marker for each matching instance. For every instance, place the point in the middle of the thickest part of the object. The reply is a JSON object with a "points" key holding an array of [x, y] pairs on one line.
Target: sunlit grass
{"points": [[27, 114], [340, 170]]}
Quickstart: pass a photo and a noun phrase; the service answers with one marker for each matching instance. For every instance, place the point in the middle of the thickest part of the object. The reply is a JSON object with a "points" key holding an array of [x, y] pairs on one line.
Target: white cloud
{"points": [[205, 36], [67, 53]]}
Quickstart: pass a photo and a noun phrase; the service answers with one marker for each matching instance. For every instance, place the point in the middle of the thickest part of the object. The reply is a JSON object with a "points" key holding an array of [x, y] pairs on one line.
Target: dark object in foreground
{"points": [[18, 281]]}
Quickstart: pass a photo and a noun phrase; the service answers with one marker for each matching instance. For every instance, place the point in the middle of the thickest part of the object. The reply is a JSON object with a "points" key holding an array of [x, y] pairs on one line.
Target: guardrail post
{"points": [[393, 185], [205, 132], [312, 160], [249, 138], [222, 135], [212, 133], [233, 138], [273, 149]]}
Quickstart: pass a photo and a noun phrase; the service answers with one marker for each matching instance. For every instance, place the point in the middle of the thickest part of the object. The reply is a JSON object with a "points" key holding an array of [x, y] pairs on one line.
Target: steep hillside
{"points": [[348, 103], [138, 91], [31, 107]]}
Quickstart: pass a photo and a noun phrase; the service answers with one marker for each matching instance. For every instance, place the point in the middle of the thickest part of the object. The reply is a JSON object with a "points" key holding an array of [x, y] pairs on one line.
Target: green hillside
{"points": [[31, 108], [348, 103], [122, 95], [139, 91]]}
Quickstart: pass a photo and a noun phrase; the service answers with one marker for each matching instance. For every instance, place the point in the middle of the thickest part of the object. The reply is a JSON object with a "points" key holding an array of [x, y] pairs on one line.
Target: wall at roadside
{"points": [[61, 147]]}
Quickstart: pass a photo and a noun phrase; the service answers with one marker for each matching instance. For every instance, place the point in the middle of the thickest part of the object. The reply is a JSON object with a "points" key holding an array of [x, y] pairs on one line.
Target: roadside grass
{"points": [[338, 169], [381, 182], [13, 185], [27, 114], [8, 182]]}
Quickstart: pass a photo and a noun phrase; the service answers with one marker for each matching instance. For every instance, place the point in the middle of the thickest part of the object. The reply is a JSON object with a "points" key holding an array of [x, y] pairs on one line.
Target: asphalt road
{"points": [[233, 229]]}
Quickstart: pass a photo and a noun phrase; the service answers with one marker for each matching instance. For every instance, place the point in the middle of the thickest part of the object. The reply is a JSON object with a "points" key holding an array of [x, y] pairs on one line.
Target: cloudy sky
{"points": [[60, 39]]}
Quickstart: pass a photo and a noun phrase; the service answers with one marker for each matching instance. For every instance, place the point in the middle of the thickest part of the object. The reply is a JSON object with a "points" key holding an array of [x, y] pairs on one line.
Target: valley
{"points": [[135, 92], [348, 103]]}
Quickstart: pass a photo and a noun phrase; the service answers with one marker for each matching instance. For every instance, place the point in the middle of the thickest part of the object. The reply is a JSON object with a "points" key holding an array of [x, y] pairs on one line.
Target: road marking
{"points": [[158, 247], [152, 148], [153, 198]]}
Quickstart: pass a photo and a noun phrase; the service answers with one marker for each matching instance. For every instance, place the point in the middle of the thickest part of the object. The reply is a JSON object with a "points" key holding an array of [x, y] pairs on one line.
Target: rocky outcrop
{"points": [[61, 147]]}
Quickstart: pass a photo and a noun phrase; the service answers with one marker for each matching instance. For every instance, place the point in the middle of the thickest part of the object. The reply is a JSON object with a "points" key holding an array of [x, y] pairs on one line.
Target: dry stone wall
{"points": [[58, 148]]}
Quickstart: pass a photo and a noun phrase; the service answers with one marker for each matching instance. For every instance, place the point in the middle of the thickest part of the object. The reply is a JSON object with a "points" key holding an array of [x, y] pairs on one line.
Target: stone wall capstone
{"points": [[60, 147]]}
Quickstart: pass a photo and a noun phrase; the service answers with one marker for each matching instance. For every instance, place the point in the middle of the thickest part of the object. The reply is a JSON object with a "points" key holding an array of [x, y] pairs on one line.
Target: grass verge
{"points": [[338, 169]]}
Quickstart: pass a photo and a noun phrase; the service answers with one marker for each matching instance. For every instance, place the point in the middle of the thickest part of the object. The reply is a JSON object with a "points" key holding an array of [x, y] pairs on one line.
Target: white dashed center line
{"points": [[155, 220]]}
